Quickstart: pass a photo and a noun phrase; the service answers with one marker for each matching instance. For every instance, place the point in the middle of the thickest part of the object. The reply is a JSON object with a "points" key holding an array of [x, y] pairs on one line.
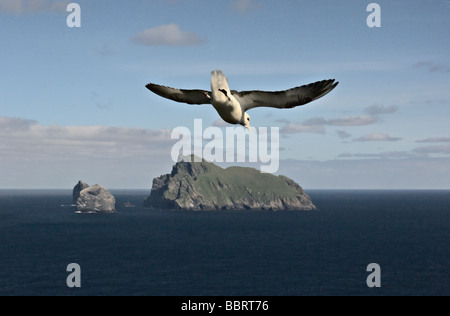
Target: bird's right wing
{"points": [[179, 95]]}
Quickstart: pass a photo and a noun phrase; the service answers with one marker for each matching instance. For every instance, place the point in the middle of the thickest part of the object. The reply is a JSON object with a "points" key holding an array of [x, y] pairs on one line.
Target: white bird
{"points": [[232, 105]]}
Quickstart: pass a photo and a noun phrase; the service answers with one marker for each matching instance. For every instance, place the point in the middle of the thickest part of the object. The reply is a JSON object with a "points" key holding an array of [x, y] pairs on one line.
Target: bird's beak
{"points": [[248, 127]]}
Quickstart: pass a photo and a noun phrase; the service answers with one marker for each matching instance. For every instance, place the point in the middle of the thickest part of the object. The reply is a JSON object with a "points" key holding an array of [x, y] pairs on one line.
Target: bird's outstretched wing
{"points": [[284, 99], [179, 95]]}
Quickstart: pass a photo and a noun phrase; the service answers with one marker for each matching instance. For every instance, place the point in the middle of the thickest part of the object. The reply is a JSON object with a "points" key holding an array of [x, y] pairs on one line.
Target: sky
{"points": [[73, 102]]}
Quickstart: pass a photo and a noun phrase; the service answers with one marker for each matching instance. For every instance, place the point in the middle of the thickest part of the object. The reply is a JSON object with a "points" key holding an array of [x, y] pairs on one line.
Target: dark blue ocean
{"points": [[138, 251]]}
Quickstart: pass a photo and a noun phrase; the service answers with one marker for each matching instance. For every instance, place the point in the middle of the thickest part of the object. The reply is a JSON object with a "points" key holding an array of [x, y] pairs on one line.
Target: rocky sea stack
{"points": [[94, 199], [203, 186]]}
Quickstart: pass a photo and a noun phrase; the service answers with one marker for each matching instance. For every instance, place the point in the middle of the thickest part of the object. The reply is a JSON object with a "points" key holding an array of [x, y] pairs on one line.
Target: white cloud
{"points": [[301, 128], [344, 121], [381, 109], [244, 6], [167, 35], [33, 6], [377, 137], [353, 121], [27, 136]]}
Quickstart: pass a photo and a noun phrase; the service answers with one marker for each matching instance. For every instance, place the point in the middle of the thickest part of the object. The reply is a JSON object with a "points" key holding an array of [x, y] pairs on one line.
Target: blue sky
{"points": [[73, 103]]}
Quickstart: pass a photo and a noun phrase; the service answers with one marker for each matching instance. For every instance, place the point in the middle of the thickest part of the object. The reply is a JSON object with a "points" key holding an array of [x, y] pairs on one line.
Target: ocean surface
{"points": [[138, 251]]}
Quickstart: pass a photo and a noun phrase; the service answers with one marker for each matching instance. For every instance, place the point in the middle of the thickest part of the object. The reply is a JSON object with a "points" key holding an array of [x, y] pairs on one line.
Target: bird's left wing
{"points": [[180, 95], [284, 99]]}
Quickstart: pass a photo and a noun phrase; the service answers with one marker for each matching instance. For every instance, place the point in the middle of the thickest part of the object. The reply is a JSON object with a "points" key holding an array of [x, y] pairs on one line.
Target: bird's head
{"points": [[246, 121]]}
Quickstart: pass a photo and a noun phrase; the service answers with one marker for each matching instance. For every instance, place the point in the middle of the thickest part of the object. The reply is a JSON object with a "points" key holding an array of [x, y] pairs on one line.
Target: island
{"points": [[204, 186], [93, 199]]}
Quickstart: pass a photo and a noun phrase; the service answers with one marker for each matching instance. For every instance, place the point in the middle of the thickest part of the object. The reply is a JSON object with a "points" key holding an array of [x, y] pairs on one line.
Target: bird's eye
{"points": [[248, 119]]}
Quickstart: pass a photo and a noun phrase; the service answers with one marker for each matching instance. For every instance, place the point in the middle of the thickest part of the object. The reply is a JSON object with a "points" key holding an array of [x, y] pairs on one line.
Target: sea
{"points": [[143, 252]]}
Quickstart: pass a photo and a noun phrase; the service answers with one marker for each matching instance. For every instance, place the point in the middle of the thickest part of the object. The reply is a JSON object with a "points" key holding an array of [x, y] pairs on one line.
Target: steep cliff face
{"points": [[77, 190], [205, 186]]}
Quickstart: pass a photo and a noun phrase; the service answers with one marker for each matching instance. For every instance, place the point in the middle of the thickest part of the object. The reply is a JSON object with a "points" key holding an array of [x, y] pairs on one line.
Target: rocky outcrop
{"points": [[96, 199], [77, 190], [205, 186]]}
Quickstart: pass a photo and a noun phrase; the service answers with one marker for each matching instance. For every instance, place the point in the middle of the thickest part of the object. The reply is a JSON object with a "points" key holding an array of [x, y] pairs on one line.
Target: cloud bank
{"points": [[37, 156], [33, 155]]}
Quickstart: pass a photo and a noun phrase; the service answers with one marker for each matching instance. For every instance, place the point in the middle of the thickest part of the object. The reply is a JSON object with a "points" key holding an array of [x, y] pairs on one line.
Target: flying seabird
{"points": [[232, 105]]}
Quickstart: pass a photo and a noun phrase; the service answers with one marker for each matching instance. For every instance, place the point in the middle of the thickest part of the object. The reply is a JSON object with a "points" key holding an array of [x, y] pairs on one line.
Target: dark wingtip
{"points": [[332, 83], [153, 88], [335, 83]]}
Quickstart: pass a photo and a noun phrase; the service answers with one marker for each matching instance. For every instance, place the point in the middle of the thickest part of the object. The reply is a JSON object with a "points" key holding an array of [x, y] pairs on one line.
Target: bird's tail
{"points": [[219, 82]]}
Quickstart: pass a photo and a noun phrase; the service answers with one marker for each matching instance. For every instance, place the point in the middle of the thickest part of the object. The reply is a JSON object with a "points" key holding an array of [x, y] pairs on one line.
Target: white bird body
{"points": [[223, 100], [232, 106]]}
